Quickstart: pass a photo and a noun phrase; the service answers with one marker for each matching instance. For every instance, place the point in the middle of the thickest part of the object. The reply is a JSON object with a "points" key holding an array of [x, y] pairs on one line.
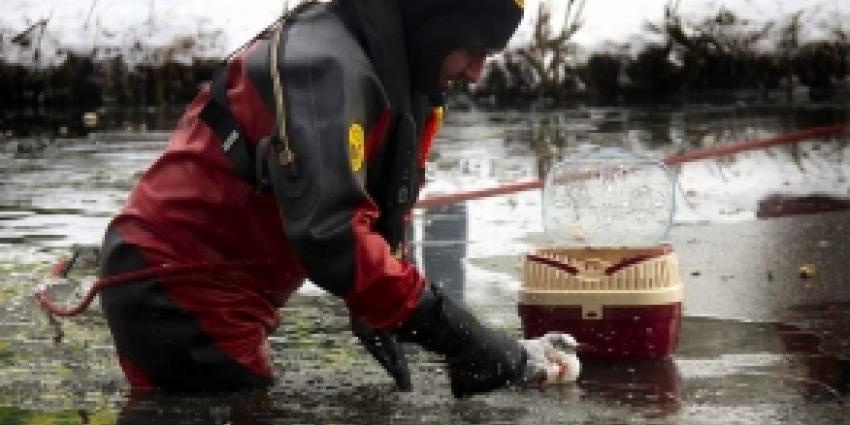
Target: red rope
{"points": [[61, 268], [454, 198], [712, 152], [781, 139], [156, 271]]}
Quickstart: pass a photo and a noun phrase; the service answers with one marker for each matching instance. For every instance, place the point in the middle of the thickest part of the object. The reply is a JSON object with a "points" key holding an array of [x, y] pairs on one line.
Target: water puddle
{"points": [[723, 369], [759, 343]]}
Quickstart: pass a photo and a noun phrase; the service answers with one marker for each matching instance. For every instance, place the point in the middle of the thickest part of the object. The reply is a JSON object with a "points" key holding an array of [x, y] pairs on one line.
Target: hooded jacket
{"points": [[359, 128]]}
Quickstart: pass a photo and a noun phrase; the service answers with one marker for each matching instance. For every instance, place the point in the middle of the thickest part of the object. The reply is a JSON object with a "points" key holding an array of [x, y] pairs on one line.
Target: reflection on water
{"points": [[723, 369], [66, 191], [442, 246], [654, 386], [758, 344]]}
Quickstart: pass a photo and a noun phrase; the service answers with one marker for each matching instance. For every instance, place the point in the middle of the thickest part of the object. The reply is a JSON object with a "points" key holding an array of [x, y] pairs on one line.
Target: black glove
{"points": [[479, 359], [386, 350]]}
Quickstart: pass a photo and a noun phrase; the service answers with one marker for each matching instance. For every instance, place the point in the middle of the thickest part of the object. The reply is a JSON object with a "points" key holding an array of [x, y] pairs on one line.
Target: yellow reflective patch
{"points": [[356, 146], [439, 112], [520, 3]]}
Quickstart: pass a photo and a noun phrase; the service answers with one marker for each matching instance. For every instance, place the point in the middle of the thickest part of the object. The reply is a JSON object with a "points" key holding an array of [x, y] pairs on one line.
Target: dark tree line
{"points": [[39, 99], [720, 55]]}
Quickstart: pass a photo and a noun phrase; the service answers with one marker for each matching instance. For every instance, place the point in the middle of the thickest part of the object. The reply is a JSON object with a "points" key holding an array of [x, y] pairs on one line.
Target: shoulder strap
{"points": [[217, 115]]}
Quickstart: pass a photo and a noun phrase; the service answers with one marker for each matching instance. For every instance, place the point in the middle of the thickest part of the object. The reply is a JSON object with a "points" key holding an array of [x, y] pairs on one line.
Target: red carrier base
{"points": [[623, 332]]}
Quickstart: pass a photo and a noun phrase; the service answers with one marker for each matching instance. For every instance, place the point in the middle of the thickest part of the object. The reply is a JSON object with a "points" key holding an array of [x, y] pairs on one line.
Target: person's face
{"points": [[462, 65]]}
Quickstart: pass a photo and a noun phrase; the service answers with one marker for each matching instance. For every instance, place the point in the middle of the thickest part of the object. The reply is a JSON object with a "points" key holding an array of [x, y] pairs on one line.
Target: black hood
{"points": [[377, 26], [433, 28], [424, 32]]}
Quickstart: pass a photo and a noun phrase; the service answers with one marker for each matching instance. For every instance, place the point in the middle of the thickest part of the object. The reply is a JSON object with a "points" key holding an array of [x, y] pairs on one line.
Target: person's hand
{"points": [[551, 359]]}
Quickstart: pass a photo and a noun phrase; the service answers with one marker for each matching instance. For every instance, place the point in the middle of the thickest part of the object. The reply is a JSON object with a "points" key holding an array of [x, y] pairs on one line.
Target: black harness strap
{"points": [[261, 168], [403, 181], [217, 115]]}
